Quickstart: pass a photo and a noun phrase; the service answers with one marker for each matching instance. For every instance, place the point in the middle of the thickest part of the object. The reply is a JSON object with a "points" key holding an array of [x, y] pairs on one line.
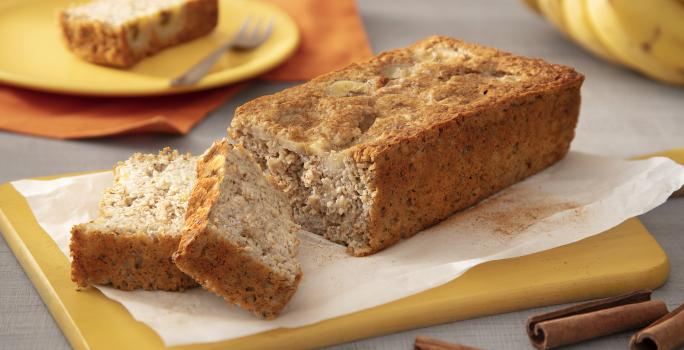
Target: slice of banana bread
{"points": [[377, 151], [239, 239], [141, 216], [120, 33]]}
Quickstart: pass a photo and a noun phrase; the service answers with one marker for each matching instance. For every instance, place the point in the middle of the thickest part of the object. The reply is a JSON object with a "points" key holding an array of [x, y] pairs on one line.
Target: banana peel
{"points": [[656, 26], [647, 36], [578, 27], [611, 31], [553, 11]]}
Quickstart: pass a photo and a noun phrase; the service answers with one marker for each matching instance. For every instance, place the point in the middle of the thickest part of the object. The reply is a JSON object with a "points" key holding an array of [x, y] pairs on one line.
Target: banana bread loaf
{"points": [[131, 243], [239, 239], [378, 151], [120, 33]]}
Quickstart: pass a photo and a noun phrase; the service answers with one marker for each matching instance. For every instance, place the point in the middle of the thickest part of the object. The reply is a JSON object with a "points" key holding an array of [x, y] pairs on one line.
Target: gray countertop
{"points": [[623, 114]]}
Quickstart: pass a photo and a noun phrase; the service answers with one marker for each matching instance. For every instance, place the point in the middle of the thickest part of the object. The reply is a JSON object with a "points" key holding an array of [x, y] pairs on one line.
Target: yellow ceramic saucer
{"points": [[33, 55]]}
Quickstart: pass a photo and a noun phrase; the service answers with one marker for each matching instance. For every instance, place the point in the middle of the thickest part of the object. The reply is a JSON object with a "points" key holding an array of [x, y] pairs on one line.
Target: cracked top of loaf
{"points": [[149, 195], [395, 95]]}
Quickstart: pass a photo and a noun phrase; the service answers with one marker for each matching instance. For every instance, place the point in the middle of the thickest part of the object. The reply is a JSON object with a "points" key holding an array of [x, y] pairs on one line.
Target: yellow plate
{"points": [[33, 55], [622, 259]]}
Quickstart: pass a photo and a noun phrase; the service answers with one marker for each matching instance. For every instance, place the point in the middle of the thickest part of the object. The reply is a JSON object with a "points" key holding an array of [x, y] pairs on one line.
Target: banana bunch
{"points": [[645, 35]]}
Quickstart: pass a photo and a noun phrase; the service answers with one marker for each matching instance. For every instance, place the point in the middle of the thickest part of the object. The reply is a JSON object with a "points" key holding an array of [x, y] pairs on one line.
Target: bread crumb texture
{"points": [[130, 244]]}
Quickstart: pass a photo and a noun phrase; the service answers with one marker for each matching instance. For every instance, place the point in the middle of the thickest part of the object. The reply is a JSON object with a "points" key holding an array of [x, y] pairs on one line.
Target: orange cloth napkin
{"points": [[332, 37]]}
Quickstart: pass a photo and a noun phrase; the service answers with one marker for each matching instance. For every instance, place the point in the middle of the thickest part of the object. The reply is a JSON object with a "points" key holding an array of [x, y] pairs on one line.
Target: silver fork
{"points": [[245, 39]]}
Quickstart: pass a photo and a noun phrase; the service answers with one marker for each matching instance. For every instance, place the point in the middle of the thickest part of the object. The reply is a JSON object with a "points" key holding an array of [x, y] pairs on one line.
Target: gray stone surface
{"points": [[623, 114]]}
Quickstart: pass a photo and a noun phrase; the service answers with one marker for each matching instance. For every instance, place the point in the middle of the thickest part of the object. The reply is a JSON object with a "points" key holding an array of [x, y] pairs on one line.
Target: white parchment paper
{"points": [[579, 197]]}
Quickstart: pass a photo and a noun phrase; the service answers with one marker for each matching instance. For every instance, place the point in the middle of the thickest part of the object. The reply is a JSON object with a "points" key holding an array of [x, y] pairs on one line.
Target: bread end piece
{"points": [[228, 246], [129, 245]]}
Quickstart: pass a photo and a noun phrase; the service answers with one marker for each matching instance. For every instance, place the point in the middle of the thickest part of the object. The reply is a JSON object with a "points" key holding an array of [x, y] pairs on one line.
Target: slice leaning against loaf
{"points": [[239, 239], [130, 244], [379, 150]]}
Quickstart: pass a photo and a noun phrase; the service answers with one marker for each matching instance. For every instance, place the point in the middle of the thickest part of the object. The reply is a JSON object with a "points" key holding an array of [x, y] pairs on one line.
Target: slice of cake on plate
{"points": [[120, 33]]}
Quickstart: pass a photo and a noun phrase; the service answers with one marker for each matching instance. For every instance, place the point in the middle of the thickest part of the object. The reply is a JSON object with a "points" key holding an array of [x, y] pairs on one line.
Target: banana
{"points": [[577, 25], [658, 25], [532, 4], [611, 32], [553, 11]]}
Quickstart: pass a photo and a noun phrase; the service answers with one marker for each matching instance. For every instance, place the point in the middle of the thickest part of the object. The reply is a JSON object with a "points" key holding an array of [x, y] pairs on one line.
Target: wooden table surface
{"points": [[623, 114]]}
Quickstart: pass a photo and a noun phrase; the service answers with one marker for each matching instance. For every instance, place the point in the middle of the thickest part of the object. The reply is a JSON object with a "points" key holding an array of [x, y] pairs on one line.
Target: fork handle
{"points": [[201, 68]]}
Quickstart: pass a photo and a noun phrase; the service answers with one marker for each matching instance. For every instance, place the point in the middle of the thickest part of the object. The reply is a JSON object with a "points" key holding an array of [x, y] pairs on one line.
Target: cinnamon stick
{"points": [[664, 334], [594, 319], [678, 193], [425, 343]]}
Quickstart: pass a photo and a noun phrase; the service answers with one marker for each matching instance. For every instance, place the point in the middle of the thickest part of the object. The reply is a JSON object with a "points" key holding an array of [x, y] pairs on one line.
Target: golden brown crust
{"points": [[224, 269], [457, 123], [423, 179], [125, 261], [108, 45], [96, 43], [219, 266], [396, 95]]}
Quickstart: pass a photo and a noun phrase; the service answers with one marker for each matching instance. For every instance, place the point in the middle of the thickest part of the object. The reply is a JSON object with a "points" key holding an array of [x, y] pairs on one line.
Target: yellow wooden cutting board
{"points": [[622, 259]]}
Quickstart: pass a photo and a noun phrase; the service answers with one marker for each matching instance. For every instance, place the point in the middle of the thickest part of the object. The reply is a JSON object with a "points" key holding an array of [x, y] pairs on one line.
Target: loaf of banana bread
{"points": [[120, 33], [380, 150]]}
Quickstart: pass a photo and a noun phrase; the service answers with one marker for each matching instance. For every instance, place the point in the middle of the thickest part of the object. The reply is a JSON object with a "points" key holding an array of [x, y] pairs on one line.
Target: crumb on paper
{"points": [[317, 252], [515, 209]]}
